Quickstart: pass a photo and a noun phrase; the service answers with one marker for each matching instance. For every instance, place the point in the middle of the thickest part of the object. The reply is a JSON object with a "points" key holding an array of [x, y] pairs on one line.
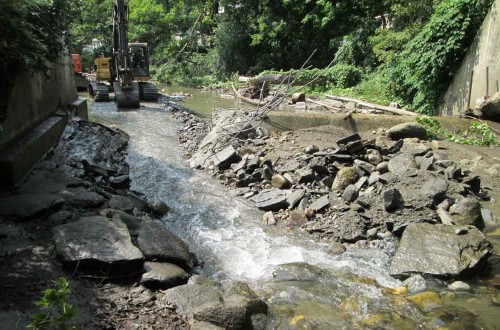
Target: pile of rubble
{"points": [[362, 191]]}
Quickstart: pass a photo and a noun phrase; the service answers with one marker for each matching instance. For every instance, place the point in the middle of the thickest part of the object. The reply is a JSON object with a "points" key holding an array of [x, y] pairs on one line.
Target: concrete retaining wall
{"points": [[484, 52], [29, 126]]}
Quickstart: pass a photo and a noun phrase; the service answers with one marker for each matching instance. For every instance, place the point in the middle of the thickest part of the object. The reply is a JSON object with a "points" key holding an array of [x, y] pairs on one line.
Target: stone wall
{"points": [[483, 53]]}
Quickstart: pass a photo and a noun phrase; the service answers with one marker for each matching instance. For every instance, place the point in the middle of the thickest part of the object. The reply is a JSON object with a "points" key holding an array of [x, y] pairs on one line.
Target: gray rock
{"points": [[97, 241], [232, 314], [438, 250], [445, 217], [435, 190], [60, 217], [159, 208], [120, 182], [345, 176], [350, 193], [415, 283], [425, 163], [407, 130], [310, 149], [201, 325], [126, 203], [327, 181], [350, 138], [27, 206], [268, 218], [271, 200], [296, 271], [189, 297], [467, 211], [202, 280], [295, 197], [267, 172], [402, 164], [336, 248], [259, 142], [133, 223], [320, 203], [372, 233], [488, 217], [305, 175], [280, 182], [393, 200], [374, 156], [361, 182], [224, 157], [382, 167], [82, 198], [289, 165], [160, 275], [459, 286], [159, 244], [490, 108]]}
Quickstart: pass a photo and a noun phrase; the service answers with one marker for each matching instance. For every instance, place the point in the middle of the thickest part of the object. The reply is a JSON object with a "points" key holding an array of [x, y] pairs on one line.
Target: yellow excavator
{"points": [[126, 72]]}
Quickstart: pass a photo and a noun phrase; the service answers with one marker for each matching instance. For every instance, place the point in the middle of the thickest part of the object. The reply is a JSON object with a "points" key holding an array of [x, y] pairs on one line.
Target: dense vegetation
{"points": [[382, 50]]}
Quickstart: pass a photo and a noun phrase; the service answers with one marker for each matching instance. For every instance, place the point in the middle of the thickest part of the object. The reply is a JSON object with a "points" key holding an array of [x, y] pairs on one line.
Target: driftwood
{"points": [[274, 78], [397, 111], [323, 104], [246, 99]]}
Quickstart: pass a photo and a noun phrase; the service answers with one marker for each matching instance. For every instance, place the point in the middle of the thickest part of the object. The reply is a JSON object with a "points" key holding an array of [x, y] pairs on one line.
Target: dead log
{"points": [[246, 99], [384, 108]]}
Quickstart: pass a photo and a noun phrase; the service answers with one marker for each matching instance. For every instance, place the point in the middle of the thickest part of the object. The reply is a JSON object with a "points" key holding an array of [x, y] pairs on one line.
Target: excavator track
{"points": [[148, 91], [99, 92]]}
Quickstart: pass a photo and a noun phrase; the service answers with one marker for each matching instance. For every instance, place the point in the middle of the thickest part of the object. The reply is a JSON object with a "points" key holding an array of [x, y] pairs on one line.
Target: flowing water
{"points": [[305, 287]]}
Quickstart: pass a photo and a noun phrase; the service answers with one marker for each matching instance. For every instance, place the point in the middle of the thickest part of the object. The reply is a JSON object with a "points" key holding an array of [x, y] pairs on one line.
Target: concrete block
{"points": [[18, 159], [80, 107]]}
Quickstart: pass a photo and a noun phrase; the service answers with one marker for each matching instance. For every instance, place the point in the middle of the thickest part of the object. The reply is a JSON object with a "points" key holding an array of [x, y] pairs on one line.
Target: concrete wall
{"points": [[34, 97], [484, 52]]}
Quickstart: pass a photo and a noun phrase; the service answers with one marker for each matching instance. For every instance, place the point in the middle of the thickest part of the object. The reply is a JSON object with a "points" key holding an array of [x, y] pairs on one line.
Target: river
{"points": [[306, 287]]}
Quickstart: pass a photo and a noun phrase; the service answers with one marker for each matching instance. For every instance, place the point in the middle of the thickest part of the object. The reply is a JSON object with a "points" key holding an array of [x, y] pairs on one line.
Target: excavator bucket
{"points": [[127, 98]]}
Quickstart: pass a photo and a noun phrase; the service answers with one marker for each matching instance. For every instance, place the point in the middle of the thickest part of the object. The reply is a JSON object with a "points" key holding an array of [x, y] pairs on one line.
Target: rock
{"points": [[393, 200], [289, 165], [268, 218], [81, 198], [438, 250], [474, 183], [298, 97], [401, 164], [296, 271], [426, 300], [336, 248], [445, 217], [296, 219], [310, 149], [259, 142], [345, 176], [350, 193], [327, 181], [415, 283], [372, 233], [188, 297], [280, 182], [487, 217], [467, 211], [126, 203], [305, 175], [435, 190], [490, 108], [59, 217], [202, 280], [320, 203], [459, 286], [425, 163], [223, 158], [27, 206], [97, 242], [232, 314], [351, 138], [241, 289], [295, 197], [133, 223], [120, 182], [374, 156], [159, 208], [271, 200], [361, 182], [163, 276], [407, 130], [159, 244], [201, 325], [267, 172], [382, 167]]}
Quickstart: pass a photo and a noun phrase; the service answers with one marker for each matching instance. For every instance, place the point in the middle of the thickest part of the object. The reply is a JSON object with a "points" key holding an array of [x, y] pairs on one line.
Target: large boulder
{"points": [[160, 244], [27, 206], [187, 298], [490, 108], [407, 130], [440, 250], [402, 164], [96, 242], [161, 275], [467, 211]]}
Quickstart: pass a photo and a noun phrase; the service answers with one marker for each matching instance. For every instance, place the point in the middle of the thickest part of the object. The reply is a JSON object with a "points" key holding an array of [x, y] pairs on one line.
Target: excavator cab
{"points": [[139, 58]]}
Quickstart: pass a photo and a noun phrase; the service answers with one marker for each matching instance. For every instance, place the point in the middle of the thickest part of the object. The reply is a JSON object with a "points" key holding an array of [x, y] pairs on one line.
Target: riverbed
{"points": [[305, 287]]}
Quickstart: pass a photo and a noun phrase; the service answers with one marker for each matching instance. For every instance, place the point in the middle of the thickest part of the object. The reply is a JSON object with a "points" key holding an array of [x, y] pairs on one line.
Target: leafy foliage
{"points": [[425, 67], [479, 133], [32, 32], [57, 312]]}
